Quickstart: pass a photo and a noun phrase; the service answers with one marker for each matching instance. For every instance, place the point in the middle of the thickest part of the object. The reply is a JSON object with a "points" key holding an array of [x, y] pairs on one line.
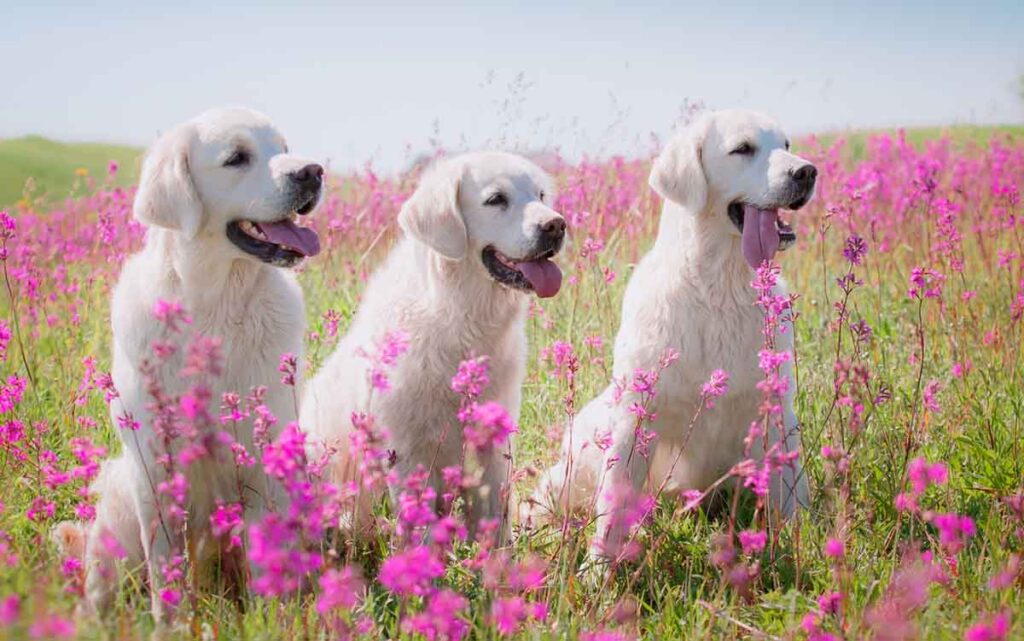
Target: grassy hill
{"points": [[55, 168], [961, 134]]}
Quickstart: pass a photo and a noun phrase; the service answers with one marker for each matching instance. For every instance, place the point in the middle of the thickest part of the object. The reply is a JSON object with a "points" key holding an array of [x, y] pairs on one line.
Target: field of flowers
{"points": [[909, 271]]}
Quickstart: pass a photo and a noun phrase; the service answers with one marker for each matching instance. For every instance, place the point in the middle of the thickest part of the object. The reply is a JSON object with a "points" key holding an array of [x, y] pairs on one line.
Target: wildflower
{"points": [[835, 549], [385, 356], [339, 589], [925, 283], [227, 520], [472, 377], [10, 609], [410, 572], [753, 541], [171, 313], [488, 425], [440, 619], [717, 386], [509, 613], [993, 628], [287, 368], [51, 627], [855, 249], [954, 530], [931, 391]]}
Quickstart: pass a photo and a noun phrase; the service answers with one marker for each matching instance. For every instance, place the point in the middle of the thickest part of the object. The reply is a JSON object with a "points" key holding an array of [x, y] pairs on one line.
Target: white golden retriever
{"points": [[220, 196], [479, 235], [723, 177]]}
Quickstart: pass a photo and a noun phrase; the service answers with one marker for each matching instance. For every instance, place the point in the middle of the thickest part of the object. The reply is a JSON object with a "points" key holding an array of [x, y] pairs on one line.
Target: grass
{"points": [[45, 169], [975, 424]]}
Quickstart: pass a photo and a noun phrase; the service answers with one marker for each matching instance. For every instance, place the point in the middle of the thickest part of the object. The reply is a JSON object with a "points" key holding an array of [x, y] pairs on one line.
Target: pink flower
{"points": [[472, 377], [954, 530], [227, 520], [10, 609], [753, 541], [855, 249], [171, 313], [715, 387], [288, 368], [339, 589], [993, 628], [410, 572], [835, 549], [931, 391], [440, 620], [488, 425], [51, 627], [829, 602]]}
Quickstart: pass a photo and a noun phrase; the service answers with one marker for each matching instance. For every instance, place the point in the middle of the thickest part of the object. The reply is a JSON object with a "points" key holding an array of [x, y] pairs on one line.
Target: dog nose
{"points": [[806, 174], [554, 229], [309, 177]]}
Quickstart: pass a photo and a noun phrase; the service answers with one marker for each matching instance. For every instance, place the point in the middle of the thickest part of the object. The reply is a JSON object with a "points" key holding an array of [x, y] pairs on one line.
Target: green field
{"points": [[51, 170]]}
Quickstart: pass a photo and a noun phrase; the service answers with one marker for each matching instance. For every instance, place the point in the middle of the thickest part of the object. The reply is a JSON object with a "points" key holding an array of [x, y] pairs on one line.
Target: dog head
{"points": [[736, 165], [227, 176], [492, 208]]}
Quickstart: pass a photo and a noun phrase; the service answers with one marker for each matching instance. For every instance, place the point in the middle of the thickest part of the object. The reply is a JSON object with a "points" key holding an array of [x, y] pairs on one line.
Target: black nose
{"points": [[553, 229], [805, 175], [309, 177]]}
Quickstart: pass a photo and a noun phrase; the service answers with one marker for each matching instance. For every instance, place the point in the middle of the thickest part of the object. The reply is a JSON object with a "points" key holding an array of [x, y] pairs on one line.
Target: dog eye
{"points": [[542, 196], [787, 145], [497, 199], [746, 149], [239, 158]]}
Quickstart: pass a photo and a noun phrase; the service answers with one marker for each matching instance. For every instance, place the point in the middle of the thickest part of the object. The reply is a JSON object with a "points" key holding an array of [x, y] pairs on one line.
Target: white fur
{"points": [[690, 293], [434, 287], [186, 198]]}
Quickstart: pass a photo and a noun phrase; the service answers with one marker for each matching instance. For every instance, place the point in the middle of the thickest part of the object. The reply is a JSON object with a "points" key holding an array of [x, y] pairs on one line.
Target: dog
{"points": [[220, 196], [723, 179], [479, 235]]}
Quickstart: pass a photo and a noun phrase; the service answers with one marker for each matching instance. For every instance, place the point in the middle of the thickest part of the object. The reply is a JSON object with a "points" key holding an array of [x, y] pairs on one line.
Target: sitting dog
{"points": [[221, 196], [724, 178], [478, 238]]}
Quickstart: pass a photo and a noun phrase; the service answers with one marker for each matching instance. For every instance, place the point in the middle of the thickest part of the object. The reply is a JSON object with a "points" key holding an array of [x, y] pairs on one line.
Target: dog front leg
{"points": [[788, 490], [618, 494], [489, 500]]}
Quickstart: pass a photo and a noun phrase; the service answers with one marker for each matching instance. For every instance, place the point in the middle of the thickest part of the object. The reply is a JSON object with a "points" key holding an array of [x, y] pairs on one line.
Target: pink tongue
{"points": [[302, 239], [544, 275], [760, 236]]}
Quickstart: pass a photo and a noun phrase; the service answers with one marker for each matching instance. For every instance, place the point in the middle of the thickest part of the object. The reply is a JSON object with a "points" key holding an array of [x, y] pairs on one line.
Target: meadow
{"points": [[909, 275]]}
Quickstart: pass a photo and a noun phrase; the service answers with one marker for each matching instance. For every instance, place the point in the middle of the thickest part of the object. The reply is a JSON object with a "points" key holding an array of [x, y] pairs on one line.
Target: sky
{"points": [[379, 83]]}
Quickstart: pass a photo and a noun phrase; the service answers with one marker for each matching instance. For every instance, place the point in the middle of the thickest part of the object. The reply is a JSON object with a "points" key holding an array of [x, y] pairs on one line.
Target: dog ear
{"points": [[678, 172], [166, 196], [432, 214]]}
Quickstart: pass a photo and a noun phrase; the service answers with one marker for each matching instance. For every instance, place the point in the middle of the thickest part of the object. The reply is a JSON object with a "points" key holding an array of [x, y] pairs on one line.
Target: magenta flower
{"points": [[835, 549], [488, 425], [855, 249], [472, 377], [340, 589], [410, 572], [753, 541], [993, 628], [716, 386]]}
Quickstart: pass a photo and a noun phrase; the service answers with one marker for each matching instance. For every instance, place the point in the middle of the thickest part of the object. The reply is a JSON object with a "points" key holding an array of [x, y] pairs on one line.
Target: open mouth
{"points": [[536, 273], [281, 243], [764, 232]]}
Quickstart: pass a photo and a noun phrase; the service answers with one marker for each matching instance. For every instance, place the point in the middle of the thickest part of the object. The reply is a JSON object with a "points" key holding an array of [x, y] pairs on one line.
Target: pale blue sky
{"points": [[353, 83]]}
